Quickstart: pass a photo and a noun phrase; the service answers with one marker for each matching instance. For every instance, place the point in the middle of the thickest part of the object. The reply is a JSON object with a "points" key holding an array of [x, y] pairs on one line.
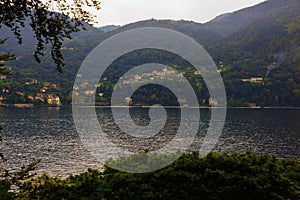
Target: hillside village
{"points": [[28, 93], [33, 92], [103, 96]]}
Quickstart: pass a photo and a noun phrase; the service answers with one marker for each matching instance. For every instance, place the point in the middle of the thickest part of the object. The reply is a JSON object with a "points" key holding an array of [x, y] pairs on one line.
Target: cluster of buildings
{"points": [[258, 80], [165, 74], [45, 96], [50, 99]]}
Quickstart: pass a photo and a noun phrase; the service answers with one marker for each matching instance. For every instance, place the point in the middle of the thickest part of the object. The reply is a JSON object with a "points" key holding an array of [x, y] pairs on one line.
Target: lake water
{"points": [[49, 134]]}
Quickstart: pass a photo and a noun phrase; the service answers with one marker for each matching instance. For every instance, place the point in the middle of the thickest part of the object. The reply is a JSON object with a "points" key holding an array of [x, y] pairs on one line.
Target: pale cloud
{"points": [[122, 12]]}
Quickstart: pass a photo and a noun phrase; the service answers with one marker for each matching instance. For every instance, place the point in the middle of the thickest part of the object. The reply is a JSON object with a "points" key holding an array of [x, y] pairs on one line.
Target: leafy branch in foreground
{"points": [[51, 21], [4, 58]]}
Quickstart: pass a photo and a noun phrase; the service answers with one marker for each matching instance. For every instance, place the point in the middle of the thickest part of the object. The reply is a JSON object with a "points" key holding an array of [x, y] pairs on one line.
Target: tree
{"points": [[4, 58], [52, 21], [49, 27]]}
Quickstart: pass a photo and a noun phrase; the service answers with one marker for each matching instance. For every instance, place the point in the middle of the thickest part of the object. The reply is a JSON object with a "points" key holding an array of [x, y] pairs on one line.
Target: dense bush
{"points": [[216, 176]]}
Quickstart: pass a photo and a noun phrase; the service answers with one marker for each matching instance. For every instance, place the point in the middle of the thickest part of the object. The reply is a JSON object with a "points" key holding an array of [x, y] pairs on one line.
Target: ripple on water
{"points": [[49, 135]]}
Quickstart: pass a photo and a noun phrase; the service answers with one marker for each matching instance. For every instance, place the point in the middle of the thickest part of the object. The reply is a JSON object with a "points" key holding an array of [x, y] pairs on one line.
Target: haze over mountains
{"points": [[259, 41]]}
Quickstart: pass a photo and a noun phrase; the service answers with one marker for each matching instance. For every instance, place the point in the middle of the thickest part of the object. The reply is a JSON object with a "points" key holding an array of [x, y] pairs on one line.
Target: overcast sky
{"points": [[121, 12]]}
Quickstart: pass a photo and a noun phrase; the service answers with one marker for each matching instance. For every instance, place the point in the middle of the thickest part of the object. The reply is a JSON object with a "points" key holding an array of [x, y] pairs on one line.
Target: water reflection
{"points": [[49, 134]]}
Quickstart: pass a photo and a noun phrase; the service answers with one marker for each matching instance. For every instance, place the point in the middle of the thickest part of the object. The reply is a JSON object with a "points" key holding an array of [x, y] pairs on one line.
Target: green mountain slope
{"points": [[277, 32], [261, 41], [230, 23], [269, 48]]}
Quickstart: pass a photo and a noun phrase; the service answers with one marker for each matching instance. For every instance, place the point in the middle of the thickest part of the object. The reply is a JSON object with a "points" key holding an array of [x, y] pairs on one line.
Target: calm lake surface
{"points": [[49, 135]]}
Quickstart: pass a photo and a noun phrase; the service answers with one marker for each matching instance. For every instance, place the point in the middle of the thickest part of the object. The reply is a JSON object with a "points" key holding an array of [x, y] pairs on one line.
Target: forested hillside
{"points": [[256, 49]]}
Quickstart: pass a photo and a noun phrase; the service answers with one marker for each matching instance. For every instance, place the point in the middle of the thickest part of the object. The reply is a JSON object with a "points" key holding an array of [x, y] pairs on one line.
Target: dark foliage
{"points": [[49, 27], [216, 176]]}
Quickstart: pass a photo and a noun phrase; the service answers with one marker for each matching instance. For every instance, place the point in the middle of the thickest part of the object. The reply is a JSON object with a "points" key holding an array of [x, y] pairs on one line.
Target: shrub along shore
{"points": [[215, 176]]}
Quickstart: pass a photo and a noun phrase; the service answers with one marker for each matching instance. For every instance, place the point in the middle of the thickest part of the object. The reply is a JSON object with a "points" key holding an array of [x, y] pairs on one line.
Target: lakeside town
{"points": [[47, 94], [38, 93]]}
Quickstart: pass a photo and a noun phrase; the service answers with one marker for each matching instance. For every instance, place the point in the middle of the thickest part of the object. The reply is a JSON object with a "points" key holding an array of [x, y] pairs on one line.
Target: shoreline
{"points": [[141, 107]]}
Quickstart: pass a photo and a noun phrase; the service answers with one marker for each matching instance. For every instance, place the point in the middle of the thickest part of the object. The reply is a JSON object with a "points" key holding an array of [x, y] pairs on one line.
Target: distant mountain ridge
{"points": [[109, 28], [230, 23], [222, 28]]}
